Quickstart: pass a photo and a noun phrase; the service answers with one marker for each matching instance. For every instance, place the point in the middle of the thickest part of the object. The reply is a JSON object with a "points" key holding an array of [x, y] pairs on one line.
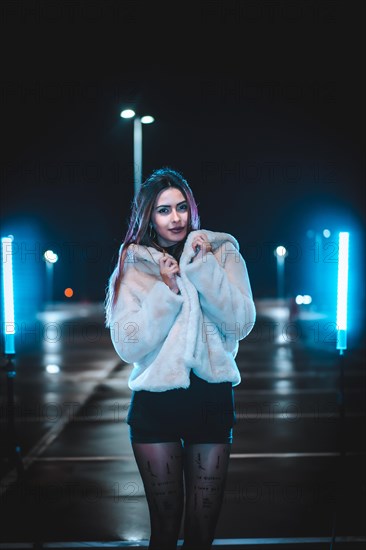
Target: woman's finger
{"points": [[170, 269], [200, 239], [166, 261]]}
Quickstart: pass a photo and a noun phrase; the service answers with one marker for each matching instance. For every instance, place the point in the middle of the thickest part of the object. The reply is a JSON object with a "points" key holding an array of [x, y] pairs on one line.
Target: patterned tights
{"points": [[179, 480]]}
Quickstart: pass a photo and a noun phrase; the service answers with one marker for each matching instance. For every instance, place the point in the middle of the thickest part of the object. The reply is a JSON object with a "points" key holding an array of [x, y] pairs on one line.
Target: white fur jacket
{"points": [[165, 334]]}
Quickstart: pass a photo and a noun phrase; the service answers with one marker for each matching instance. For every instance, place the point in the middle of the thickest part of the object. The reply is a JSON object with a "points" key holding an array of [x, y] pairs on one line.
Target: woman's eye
{"points": [[165, 210]]}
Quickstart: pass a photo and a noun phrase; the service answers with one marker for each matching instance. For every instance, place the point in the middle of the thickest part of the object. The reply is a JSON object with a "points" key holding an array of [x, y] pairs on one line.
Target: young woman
{"points": [[178, 302]]}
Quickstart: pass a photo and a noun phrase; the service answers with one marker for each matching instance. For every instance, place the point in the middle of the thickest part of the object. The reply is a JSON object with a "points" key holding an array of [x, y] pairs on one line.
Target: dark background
{"points": [[260, 104]]}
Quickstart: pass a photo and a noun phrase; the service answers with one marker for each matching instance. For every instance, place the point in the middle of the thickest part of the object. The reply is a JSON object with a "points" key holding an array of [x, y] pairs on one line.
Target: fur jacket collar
{"points": [[164, 334]]}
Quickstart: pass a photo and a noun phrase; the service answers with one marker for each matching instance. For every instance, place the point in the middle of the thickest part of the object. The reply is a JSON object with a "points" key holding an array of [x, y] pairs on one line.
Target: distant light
{"points": [[127, 113], [281, 251], [303, 299], [68, 292], [8, 292], [50, 256], [53, 369], [342, 289], [147, 119], [326, 233]]}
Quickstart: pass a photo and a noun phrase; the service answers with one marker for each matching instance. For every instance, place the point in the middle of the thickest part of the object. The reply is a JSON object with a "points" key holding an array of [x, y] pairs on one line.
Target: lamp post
{"points": [[14, 448], [280, 252], [50, 258], [8, 294], [341, 323], [342, 290], [137, 144]]}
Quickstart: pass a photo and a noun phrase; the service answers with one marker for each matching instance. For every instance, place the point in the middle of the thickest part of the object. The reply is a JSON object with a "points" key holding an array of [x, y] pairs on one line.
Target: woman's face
{"points": [[170, 212]]}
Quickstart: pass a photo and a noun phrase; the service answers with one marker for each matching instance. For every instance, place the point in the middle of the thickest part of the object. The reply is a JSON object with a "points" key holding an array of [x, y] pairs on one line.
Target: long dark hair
{"points": [[138, 231]]}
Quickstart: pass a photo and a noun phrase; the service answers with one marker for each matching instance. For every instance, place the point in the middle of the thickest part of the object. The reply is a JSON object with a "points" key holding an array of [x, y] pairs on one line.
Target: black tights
{"points": [[171, 472]]}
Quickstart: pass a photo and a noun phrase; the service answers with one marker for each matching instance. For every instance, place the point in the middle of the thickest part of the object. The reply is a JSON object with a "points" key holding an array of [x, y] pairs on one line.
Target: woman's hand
{"points": [[169, 268], [203, 243]]}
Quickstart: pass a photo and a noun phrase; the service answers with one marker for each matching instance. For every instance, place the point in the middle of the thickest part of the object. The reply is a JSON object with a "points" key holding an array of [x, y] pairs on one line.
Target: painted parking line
{"points": [[306, 374], [112, 458], [294, 391], [216, 542], [280, 416], [297, 416], [45, 441]]}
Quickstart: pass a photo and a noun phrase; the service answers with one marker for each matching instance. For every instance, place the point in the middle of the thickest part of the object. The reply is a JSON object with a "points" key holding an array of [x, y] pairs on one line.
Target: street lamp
{"points": [[342, 290], [9, 348], [8, 293], [137, 144], [50, 258], [280, 252]]}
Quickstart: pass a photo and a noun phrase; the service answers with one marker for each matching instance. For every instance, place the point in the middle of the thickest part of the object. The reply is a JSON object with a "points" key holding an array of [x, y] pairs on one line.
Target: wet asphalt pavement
{"points": [[297, 470]]}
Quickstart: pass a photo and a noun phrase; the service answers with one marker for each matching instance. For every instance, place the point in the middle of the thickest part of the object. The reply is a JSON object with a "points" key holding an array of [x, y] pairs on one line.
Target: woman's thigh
{"points": [[205, 473], [161, 469]]}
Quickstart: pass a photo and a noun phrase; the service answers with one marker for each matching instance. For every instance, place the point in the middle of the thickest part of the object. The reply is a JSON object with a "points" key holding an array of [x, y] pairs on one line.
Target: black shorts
{"points": [[202, 413]]}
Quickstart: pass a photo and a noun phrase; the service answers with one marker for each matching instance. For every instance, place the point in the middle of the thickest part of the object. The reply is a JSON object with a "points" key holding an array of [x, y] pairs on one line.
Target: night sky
{"points": [[260, 104]]}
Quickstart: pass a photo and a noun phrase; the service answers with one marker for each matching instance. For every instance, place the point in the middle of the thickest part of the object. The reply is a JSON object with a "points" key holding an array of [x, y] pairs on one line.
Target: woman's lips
{"points": [[177, 230]]}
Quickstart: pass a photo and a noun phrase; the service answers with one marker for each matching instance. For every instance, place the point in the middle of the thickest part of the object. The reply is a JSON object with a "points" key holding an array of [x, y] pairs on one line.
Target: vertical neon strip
{"points": [[8, 293], [342, 290]]}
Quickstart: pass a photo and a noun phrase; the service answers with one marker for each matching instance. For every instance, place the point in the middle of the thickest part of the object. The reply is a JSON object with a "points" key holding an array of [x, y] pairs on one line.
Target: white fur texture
{"points": [[164, 334]]}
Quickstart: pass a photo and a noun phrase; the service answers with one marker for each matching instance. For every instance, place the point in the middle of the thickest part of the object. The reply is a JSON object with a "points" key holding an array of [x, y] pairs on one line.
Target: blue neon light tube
{"points": [[342, 290], [8, 293]]}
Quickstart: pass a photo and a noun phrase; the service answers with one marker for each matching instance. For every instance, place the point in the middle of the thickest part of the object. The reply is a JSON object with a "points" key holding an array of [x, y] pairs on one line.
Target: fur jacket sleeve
{"points": [[164, 335]]}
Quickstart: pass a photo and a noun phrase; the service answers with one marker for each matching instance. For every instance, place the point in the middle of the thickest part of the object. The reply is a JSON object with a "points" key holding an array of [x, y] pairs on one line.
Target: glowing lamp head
{"points": [[147, 119], [50, 256], [281, 251], [342, 290], [127, 113], [8, 293]]}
